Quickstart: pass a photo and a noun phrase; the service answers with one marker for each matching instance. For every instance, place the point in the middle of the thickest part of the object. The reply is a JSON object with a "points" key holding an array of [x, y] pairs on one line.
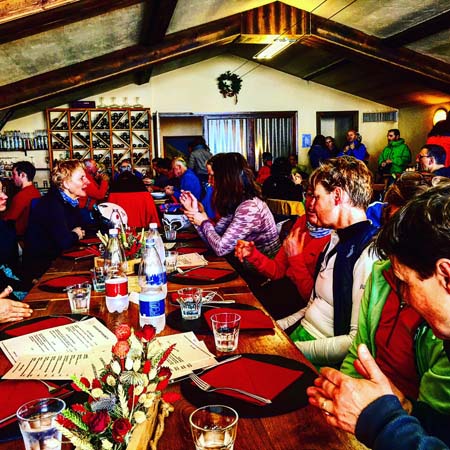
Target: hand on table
{"points": [[342, 398], [10, 310], [294, 242], [189, 202], [80, 232], [243, 249]]}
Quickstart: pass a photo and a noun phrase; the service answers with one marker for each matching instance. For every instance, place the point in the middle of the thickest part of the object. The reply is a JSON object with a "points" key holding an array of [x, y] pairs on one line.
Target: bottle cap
{"points": [[153, 225], [113, 231]]}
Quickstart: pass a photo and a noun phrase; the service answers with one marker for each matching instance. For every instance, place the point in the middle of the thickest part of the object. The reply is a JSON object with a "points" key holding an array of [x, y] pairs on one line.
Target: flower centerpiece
{"points": [[229, 85], [125, 395], [133, 243]]}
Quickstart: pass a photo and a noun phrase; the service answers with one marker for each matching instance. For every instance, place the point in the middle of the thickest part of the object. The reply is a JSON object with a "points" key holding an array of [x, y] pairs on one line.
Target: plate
{"points": [[158, 195], [59, 284], [291, 399], [199, 325]]}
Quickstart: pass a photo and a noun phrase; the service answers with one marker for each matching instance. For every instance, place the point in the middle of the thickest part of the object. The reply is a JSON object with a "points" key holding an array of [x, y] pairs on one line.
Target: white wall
{"points": [[193, 89]]}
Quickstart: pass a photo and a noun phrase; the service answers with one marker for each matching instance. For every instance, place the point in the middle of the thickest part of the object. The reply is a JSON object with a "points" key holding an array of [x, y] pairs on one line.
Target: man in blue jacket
{"points": [[417, 241]]}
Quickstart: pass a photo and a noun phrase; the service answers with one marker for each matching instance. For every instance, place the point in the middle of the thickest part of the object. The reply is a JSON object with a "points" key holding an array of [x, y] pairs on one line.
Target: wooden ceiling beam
{"points": [[58, 16], [157, 16], [419, 31], [119, 63], [261, 25], [348, 41]]}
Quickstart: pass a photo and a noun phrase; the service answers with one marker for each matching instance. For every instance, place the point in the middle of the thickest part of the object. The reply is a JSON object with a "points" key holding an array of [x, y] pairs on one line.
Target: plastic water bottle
{"points": [[159, 244], [153, 283], [116, 282]]}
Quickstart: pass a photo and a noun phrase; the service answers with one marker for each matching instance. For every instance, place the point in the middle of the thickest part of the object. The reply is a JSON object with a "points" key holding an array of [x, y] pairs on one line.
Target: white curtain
{"points": [[274, 135], [227, 135]]}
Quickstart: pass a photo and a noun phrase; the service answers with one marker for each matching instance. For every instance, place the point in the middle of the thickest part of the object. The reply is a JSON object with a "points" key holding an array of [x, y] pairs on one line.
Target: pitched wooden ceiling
{"points": [[54, 51]]}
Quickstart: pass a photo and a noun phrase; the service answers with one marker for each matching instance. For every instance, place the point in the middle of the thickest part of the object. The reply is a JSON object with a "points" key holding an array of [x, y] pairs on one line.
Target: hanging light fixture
{"points": [[277, 46], [439, 114]]}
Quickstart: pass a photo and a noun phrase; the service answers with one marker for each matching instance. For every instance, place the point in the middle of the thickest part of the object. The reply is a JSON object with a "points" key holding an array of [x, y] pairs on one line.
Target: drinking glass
{"points": [[98, 279], [226, 331], [190, 300], [171, 261], [214, 427], [37, 423], [79, 298], [171, 235]]}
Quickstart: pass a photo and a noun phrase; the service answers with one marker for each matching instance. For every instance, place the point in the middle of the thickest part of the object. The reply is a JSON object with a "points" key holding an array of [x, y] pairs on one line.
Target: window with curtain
{"points": [[251, 134]]}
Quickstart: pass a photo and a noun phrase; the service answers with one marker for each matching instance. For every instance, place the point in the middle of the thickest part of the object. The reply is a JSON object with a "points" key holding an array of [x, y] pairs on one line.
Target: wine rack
{"points": [[108, 135]]}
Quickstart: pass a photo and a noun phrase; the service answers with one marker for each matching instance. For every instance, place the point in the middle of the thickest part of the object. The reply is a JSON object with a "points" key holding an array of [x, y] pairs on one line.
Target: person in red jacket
{"points": [[22, 174], [297, 257], [96, 189]]}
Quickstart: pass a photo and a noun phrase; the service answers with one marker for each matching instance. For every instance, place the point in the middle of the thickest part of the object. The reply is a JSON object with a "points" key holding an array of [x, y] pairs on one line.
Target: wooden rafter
{"points": [[43, 20], [119, 63], [157, 16]]}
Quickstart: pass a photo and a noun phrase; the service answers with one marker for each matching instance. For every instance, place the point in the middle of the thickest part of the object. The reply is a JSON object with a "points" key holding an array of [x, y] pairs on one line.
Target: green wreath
{"points": [[229, 84]]}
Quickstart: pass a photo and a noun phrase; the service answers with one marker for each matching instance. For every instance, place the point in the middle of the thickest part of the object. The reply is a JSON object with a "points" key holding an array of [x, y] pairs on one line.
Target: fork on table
{"points": [[204, 386]]}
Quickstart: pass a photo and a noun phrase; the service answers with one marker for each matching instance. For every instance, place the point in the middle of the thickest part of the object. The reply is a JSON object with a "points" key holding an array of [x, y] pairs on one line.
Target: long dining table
{"points": [[303, 428]]}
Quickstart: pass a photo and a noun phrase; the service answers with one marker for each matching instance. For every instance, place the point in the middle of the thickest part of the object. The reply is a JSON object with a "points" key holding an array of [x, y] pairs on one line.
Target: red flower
{"points": [[65, 422], [166, 355], [96, 383], [79, 408], [171, 397], [164, 372], [98, 421], [146, 334], [120, 428], [121, 348], [147, 367], [122, 332], [162, 384]]}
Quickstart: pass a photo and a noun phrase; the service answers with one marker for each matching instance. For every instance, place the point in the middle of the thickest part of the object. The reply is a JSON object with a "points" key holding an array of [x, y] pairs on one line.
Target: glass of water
{"points": [[171, 261], [37, 421], [79, 298], [190, 300], [226, 331], [214, 427]]}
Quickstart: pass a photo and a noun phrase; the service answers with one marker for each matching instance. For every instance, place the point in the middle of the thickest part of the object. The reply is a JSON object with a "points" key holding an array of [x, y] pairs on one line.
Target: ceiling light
{"points": [[277, 46], [440, 114]]}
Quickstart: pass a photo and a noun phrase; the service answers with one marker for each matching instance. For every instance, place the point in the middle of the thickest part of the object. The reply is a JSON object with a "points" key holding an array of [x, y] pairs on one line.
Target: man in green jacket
{"points": [[395, 156]]}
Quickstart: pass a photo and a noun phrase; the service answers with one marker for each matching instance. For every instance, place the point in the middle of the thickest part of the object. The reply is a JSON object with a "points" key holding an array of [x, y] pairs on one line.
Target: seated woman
{"points": [[237, 200], [55, 221], [403, 345], [296, 259], [10, 310]]}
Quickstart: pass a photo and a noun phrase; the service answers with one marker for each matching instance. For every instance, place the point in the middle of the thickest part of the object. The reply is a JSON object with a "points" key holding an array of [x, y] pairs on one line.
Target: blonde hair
{"points": [[64, 170]]}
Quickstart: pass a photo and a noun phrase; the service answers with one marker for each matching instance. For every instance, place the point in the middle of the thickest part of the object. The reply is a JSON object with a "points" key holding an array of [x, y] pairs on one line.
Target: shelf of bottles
{"points": [[17, 140], [108, 135]]}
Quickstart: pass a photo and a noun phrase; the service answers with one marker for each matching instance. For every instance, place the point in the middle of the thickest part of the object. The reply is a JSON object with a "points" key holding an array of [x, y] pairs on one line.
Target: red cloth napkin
{"points": [[38, 325], [17, 392], [205, 273], [251, 319], [60, 283], [185, 250], [90, 241], [263, 379], [88, 252]]}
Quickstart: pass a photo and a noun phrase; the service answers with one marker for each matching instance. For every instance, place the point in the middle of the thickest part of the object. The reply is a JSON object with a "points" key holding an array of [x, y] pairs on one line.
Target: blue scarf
{"points": [[317, 232], [71, 201]]}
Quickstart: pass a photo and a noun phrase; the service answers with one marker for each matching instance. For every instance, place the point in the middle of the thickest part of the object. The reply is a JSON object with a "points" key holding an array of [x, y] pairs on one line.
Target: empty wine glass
{"points": [[100, 103], [137, 104], [113, 103]]}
